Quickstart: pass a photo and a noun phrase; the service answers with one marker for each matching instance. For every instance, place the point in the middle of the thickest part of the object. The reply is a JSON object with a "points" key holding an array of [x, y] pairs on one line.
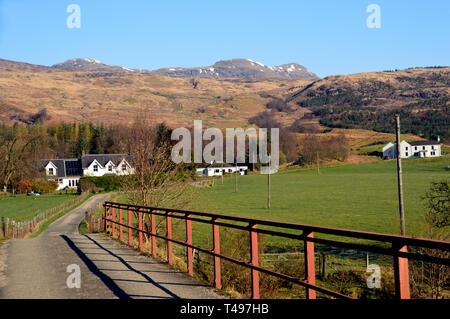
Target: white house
{"points": [[417, 149], [219, 169], [67, 172]]}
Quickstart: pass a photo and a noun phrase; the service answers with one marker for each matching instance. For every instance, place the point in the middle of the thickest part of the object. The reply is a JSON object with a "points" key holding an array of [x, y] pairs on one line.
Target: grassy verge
{"points": [[23, 208], [44, 224]]}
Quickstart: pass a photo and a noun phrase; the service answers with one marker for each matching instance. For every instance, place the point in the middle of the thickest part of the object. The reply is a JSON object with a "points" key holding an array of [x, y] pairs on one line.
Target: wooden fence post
{"points": [[324, 265], [3, 227]]}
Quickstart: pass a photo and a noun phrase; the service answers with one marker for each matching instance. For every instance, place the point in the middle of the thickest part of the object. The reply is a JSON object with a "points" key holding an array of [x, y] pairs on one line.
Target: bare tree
{"points": [[16, 146], [157, 181], [432, 279]]}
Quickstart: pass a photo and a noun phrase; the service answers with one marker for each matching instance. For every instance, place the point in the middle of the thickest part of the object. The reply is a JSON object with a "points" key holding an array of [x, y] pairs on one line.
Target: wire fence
{"points": [[13, 229]]}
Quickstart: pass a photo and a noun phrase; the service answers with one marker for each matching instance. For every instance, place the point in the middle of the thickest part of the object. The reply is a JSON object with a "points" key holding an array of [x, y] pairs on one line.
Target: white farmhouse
{"points": [[219, 169], [67, 172], [417, 149]]}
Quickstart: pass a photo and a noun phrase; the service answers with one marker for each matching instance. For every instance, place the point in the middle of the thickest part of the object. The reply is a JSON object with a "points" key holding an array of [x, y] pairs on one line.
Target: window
{"points": [[124, 167], [70, 183], [406, 147], [423, 147], [415, 148], [229, 170], [217, 171], [60, 181], [406, 153], [432, 147], [95, 168], [110, 168], [50, 171]]}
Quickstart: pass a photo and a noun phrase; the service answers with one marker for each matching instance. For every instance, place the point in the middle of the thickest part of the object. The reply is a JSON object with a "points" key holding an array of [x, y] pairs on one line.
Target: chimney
{"points": [[439, 139]]}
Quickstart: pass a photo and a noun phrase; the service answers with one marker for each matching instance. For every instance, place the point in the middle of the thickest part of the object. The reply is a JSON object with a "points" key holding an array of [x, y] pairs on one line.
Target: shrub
{"points": [[44, 186], [86, 186], [108, 183], [24, 186]]}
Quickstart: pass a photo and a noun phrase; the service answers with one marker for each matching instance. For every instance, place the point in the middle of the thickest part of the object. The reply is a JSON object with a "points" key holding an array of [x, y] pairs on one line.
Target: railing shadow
{"points": [[109, 282]]}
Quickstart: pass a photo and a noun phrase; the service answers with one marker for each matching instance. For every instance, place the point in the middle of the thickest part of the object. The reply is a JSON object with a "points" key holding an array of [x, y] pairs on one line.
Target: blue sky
{"points": [[327, 37]]}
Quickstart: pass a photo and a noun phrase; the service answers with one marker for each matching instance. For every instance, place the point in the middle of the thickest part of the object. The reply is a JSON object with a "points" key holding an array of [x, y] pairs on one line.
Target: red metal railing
{"points": [[398, 244]]}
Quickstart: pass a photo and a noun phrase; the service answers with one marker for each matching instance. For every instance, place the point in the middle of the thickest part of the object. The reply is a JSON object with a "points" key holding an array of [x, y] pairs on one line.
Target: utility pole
{"points": [[399, 177], [318, 171]]}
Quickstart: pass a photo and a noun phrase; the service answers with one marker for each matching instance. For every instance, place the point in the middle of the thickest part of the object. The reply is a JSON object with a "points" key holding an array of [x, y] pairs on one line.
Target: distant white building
{"points": [[219, 169], [417, 149], [67, 172]]}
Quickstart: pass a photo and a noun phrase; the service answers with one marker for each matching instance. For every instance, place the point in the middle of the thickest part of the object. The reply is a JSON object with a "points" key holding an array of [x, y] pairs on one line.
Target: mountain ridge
{"points": [[233, 68]]}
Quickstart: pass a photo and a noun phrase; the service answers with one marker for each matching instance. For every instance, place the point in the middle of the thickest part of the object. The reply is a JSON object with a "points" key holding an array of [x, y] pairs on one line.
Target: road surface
{"points": [[38, 267]]}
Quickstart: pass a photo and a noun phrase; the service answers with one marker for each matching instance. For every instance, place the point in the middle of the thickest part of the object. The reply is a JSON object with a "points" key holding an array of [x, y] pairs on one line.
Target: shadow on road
{"points": [[110, 283]]}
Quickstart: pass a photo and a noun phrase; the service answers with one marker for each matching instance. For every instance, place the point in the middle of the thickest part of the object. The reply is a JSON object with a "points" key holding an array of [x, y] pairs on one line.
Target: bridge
{"points": [[117, 265]]}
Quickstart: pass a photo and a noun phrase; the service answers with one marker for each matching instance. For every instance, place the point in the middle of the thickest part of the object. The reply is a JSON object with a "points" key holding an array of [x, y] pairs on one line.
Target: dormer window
{"points": [[110, 168], [51, 171], [124, 167], [95, 168]]}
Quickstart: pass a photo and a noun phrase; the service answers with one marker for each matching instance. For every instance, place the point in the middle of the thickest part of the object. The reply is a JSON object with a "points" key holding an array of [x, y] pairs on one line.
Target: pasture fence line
{"points": [[395, 246], [14, 229]]}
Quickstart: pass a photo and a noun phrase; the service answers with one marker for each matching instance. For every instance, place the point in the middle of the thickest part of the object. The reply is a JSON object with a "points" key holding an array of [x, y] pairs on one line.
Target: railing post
{"points": [[310, 270], [190, 259], [154, 253], [254, 261], [169, 235], [120, 226], [107, 219], [130, 240], [401, 273], [140, 229], [86, 218], [216, 249], [113, 218]]}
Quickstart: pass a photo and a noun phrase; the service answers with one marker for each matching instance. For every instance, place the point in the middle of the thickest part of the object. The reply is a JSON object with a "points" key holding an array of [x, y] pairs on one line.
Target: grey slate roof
{"points": [[103, 159], [65, 166], [420, 143]]}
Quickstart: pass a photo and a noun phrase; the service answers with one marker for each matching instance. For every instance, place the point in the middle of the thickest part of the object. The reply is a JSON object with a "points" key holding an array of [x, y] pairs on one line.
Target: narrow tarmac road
{"points": [[38, 267]]}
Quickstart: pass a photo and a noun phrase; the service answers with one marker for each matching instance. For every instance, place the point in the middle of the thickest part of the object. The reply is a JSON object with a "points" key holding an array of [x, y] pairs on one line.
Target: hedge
{"points": [[108, 183]]}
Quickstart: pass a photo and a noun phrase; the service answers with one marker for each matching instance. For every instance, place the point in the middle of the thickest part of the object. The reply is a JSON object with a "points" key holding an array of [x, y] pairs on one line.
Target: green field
{"points": [[23, 208], [356, 196], [353, 196]]}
